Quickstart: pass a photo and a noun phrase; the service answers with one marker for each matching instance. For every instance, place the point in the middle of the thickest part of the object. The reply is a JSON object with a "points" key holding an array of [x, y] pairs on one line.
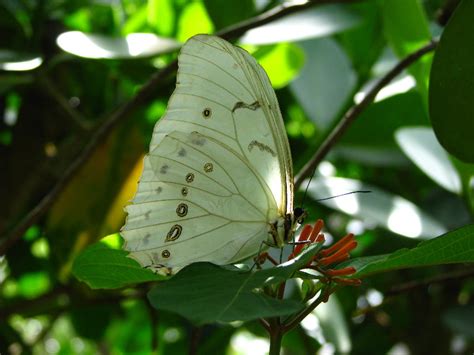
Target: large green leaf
{"points": [[453, 247], [452, 85], [205, 293], [406, 28], [100, 266]]}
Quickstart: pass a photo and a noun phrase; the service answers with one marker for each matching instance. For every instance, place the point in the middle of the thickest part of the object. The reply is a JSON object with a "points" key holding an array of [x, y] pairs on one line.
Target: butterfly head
{"points": [[283, 230]]}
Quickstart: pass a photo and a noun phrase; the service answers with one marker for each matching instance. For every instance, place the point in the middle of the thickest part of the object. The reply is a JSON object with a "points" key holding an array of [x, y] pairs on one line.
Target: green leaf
{"points": [[100, 266], [161, 16], [205, 293], [134, 45], [406, 28], [421, 146], [380, 207], [235, 11], [452, 85], [281, 62], [193, 20], [31, 285], [325, 82], [453, 247], [319, 21], [364, 43], [16, 61], [376, 126]]}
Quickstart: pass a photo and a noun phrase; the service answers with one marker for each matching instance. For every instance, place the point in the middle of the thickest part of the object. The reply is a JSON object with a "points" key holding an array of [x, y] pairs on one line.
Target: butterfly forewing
{"points": [[219, 170]]}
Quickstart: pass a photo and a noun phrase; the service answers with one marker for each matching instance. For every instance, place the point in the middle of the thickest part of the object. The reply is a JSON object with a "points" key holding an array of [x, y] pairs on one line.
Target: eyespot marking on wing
{"points": [[174, 233], [165, 254], [208, 167], [164, 168], [182, 152], [184, 191], [241, 104], [207, 113], [182, 210], [146, 239], [262, 147], [196, 139], [189, 177], [158, 189]]}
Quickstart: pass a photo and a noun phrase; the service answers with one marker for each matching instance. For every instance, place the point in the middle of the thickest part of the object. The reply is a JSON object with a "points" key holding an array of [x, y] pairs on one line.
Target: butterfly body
{"points": [[217, 182]]}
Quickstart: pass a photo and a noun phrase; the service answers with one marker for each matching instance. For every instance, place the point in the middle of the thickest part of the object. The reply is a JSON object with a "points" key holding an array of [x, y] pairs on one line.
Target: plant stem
{"points": [[276, 336]]}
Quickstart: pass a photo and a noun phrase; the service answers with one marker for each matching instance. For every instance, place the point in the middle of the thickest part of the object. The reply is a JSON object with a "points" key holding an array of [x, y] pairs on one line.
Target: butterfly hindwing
{"points": [[195, 195]]}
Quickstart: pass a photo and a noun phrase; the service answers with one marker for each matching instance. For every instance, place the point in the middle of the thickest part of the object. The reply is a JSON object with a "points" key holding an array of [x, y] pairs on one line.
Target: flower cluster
{"points": [[327, 259]]}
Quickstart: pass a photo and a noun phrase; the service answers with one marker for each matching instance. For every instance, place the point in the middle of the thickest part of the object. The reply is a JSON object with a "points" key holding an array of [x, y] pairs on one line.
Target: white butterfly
{"points": [[218, 181]]}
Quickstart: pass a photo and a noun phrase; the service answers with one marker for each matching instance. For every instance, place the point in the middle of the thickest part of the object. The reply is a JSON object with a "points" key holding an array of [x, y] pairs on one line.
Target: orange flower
{"points": [[332, 255]]}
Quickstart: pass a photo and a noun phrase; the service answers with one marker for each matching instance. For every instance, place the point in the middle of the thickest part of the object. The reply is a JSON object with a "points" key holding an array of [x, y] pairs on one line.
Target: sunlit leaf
{"points": [[134, 45], [320, 21], [380, 207], [421, 146], [193, 20], [161, 16], [33, 284], [15, 61], [100, 266], [282, 62]]}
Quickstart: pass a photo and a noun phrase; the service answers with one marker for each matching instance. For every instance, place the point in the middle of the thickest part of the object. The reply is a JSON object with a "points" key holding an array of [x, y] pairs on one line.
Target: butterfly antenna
{"points": [[344, 194], [306, 189]]}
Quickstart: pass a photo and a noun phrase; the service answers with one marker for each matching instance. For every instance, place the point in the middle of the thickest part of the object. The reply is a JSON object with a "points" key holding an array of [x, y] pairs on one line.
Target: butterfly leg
{"points": [[261, 257]]}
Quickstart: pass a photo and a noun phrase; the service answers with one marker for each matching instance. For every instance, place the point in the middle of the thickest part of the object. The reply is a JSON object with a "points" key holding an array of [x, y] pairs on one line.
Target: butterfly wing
{"points": [[219, 168]]}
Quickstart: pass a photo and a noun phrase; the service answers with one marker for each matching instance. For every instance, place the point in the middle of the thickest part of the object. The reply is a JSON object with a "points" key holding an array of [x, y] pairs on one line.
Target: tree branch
{"points": [[356, 110]]}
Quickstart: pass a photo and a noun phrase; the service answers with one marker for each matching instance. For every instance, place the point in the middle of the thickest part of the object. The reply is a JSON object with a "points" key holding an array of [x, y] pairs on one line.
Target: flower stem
{"points": [[276, 336]]}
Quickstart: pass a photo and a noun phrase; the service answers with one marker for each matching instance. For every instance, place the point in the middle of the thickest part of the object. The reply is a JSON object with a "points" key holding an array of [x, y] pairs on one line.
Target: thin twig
{"points": [[264, 324], [323, 296], [356, 110], [106, 128], [449, 276]]}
